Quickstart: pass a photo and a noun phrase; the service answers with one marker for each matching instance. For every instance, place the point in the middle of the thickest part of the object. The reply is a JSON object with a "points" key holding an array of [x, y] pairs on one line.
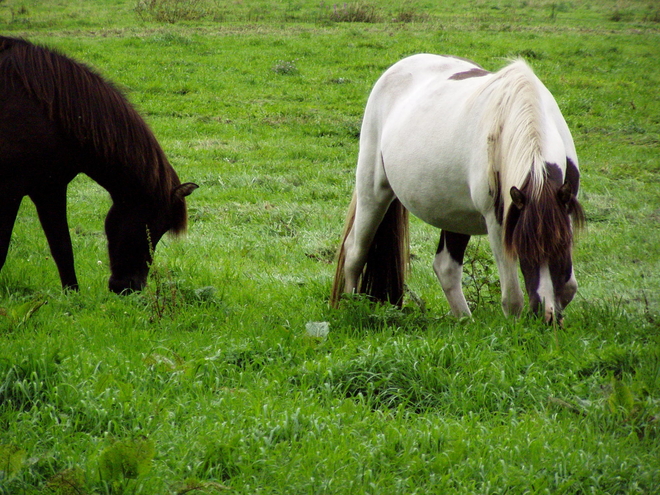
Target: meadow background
{"points": [[208, 381]]}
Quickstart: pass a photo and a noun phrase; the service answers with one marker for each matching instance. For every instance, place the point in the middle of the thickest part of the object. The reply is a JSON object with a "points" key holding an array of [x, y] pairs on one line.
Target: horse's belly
{"points": [[447, 216], [437, 169], [469, 223], [439, 193]]}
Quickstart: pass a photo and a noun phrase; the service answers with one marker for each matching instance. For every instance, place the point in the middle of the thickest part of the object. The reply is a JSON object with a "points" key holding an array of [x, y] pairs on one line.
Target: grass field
{"points": [[208, 382]]}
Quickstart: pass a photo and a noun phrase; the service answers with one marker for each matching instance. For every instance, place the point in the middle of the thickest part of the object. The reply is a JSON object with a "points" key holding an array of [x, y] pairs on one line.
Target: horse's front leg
{"points": [[9, 205], [512, 295], [448, 267], [51, 207]]}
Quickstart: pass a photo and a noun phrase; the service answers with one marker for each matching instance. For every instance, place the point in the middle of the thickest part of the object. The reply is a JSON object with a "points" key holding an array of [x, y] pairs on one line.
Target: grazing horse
{"points": [[58, 118], [472, 153]]}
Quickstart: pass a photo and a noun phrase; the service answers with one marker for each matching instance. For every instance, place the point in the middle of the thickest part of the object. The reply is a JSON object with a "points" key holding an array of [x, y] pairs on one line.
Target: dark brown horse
{"points": [[58, 118]]}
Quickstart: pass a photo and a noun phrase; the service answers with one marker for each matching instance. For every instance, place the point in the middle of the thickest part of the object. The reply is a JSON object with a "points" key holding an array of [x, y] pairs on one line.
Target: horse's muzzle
{"points": [[126, 285], [551, 313], [554, 318]]}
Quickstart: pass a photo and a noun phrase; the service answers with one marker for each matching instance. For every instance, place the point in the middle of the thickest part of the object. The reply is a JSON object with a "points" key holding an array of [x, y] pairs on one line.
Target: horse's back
{"points": [[418, 114], [409, 75]]}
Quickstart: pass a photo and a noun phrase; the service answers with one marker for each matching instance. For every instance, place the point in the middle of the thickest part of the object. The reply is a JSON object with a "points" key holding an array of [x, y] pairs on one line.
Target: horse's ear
{"points": [[184, 190], [518, 197], [565, 192]]}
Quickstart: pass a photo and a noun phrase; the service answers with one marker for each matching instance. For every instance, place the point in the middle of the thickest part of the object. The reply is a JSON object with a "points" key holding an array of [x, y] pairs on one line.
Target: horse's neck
{"points": [[516, 138], [122, 185]]}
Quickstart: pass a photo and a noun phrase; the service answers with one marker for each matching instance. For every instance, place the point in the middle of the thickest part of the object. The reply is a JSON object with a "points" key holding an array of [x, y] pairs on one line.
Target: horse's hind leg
{"points": [[448, 266], [368, 216], [51, 207]]}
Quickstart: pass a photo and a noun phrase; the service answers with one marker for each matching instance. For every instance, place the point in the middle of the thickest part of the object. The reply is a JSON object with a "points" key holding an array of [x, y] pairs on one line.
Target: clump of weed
{"points": [[408, 15], [28, 382], [383, 378], [69, 481], [340, 80], [480, 282], [652, 15], [285, 68], [12, 458], [193, 485], [557, 7], [20, 15], [619, 16], [325, 254], [629, 405], [530, 54], [124, 460], [161, 294], [355, 12], [219, 462], [172, 11], [18, 316]]}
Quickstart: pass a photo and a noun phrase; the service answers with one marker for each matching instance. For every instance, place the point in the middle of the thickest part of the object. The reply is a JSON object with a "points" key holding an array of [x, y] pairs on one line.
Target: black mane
{"points": [[94, 113]]}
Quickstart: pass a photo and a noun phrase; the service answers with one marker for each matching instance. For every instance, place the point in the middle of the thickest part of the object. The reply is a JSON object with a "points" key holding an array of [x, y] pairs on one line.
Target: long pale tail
{"points": [[339, 282], [384, 272]]}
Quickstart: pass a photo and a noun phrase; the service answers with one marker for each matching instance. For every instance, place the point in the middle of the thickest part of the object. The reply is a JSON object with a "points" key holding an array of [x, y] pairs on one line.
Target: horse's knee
{"points": [[449, 274], [350, 284], [353, 267]]}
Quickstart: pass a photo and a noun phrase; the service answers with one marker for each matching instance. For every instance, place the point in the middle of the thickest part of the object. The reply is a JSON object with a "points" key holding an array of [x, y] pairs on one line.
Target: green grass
{"points": [[207, 381]]}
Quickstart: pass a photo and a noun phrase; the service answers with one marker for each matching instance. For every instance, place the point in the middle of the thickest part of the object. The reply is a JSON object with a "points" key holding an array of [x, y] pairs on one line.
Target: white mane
{"points": [[515, 136]]}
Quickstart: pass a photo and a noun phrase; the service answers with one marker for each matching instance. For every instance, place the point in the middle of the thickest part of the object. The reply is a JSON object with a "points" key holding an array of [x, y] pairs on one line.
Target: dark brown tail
{"points": [[384, 272]]}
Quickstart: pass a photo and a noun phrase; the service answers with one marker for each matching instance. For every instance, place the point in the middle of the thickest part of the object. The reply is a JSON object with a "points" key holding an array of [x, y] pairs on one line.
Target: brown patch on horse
{"points": [[498, 203], [568, 189], [476, 72], [455, 244], [94, 113], [573, 175]]}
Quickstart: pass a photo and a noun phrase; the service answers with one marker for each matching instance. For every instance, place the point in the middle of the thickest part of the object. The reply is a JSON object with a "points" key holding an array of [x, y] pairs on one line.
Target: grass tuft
{"points": [[285, 68], [28, 382], [355, 12], [173, 11]]}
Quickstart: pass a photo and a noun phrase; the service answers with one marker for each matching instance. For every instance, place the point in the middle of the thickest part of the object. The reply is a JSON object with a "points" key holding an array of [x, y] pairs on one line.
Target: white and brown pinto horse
{"points": [[472, 153]]}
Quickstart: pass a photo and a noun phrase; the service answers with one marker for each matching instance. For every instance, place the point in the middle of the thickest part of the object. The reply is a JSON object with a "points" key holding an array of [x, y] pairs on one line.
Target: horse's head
{"points": [[540, 232], [550, 284], [133, 229]]}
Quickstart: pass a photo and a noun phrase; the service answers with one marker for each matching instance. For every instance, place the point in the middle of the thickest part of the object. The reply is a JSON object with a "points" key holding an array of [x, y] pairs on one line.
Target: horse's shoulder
{"points": [[419, 67]]}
